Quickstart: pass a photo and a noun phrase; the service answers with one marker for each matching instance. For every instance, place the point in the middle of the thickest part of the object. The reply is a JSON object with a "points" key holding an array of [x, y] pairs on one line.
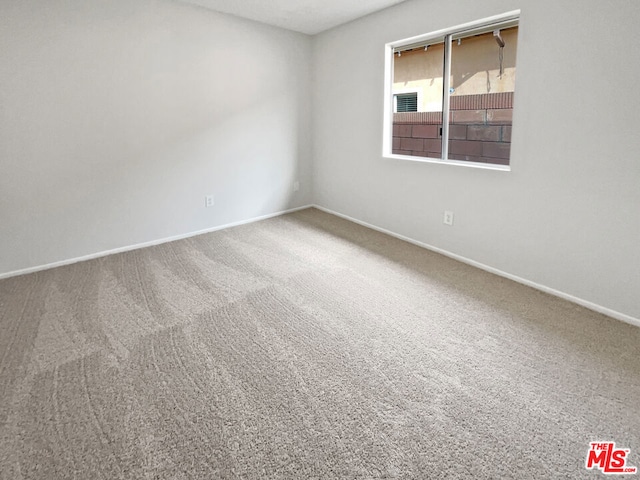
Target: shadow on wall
{"points": [[477, 61]]}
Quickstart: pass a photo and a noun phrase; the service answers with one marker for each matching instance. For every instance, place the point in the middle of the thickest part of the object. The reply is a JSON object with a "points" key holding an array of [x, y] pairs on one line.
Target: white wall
{"points": [[568, 214], [117, 117]]}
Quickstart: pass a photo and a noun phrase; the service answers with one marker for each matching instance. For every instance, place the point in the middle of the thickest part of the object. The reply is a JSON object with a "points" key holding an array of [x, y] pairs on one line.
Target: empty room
{"points": [[319, 239]]}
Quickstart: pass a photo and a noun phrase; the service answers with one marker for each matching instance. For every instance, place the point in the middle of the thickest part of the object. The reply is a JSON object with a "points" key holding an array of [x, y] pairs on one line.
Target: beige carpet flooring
{"points": [[306, 347]]}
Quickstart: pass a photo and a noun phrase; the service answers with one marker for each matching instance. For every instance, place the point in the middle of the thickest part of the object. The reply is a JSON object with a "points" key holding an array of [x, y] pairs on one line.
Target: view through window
{"points": [[460, 101]]}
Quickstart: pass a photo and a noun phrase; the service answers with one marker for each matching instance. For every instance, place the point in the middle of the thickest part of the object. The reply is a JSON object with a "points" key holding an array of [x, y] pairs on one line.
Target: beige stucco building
{"points": [[475, 69]]}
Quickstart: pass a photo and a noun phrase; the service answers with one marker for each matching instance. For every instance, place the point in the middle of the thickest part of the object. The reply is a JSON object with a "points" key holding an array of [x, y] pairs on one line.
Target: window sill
{"points": [[458, 163]]}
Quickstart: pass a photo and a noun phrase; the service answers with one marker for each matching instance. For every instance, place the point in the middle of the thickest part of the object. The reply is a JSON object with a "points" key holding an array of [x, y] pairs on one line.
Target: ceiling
{"points": [[306, 16]]}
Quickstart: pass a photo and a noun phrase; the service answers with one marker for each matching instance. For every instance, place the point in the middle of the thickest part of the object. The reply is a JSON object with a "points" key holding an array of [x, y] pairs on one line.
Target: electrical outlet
{"points": [[296, 186], [448, 218], [209, 201]]}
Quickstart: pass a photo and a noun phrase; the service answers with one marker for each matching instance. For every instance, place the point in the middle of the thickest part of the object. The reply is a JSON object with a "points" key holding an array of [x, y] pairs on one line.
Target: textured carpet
{"points": [[304, 347]]}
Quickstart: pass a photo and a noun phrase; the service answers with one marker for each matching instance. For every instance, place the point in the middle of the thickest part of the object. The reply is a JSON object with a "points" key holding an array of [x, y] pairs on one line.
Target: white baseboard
{"points": [[145, 244], [557, 293], [579, 301]]}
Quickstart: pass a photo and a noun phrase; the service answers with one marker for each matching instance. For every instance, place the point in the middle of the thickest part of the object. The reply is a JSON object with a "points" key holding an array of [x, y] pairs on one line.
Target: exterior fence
{"points": [[479, 130]]}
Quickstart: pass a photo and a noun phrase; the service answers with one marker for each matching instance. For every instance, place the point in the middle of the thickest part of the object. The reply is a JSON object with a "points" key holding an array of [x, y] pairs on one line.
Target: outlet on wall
{"points": [[448, 218], [209, 201], [296, 186]]}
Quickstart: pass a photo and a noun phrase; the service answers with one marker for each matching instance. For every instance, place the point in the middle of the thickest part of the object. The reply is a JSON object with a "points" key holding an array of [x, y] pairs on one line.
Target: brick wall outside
{"points": [[479, 130]]}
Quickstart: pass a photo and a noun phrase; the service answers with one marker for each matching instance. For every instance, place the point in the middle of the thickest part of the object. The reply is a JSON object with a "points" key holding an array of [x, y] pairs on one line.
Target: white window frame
{"points": [[437, 37]]}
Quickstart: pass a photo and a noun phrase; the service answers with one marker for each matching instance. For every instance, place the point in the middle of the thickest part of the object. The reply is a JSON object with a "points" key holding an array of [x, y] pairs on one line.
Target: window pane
{"points": [[481, 102], [417, 93]]}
